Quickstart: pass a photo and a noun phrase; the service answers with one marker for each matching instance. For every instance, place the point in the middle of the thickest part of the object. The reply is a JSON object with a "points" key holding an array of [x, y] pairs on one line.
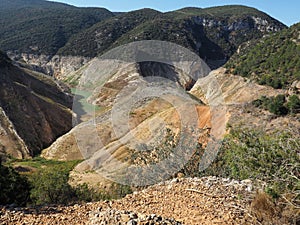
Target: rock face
{"points": [[235, 90], [265, 26], [252, 22], [56, 66], [213, 33], [11, 143], [238, 93], [35, 110]]}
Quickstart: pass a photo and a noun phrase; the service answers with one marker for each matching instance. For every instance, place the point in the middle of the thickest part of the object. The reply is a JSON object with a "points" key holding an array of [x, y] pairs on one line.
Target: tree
{"points": [[277, 106], [294, 104]]}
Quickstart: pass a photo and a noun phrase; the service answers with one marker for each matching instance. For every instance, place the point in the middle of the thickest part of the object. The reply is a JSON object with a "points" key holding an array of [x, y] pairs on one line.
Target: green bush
{"points": [[294, 104], [278, 105], [14, 188], [273, 158], [45, 27], [48, 183], [50, 186]]}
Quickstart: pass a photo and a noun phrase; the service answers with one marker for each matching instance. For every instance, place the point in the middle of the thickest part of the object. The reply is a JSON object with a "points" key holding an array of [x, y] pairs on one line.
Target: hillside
{"points": [[42, 27], [213, 33], [273, 61], [34, 110], [66, 42], [101, 36], [124, 81]]}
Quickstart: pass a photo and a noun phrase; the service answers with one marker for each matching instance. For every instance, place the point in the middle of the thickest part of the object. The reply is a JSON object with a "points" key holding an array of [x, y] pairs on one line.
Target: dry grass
{"points": [[268, 211], [263, 208]]}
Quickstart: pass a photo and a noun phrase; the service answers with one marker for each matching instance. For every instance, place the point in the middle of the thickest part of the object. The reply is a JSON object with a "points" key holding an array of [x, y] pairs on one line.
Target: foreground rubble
{"points": [[207, 200]]}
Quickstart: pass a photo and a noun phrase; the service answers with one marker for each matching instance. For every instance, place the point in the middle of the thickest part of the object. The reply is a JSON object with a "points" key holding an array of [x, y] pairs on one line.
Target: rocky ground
{"points": [[191, 201]]}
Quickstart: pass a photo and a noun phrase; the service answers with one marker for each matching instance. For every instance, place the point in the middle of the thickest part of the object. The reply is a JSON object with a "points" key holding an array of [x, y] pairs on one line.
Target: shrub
{"points": [[278, 105], [294, 104], [50, 186], [14, 188], [273, 158], [87, 194]]}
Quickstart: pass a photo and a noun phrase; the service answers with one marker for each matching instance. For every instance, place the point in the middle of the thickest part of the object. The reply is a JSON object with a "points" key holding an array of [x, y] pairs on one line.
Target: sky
{"points": [[287, 11]]}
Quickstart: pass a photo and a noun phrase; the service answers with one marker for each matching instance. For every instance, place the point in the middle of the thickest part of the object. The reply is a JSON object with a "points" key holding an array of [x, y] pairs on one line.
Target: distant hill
{"points": [[232, 11], [34, 110], [213, 33], [42, 27], [102, 35], [21, 4], [273, 61]]}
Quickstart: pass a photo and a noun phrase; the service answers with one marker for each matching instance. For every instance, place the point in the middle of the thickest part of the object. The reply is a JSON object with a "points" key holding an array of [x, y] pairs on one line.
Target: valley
{"points": [[146, 117]]}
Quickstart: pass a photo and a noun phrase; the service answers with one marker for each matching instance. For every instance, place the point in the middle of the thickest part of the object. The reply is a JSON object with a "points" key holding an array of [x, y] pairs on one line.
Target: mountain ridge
{"points": [[212, 33], [191, 16]]}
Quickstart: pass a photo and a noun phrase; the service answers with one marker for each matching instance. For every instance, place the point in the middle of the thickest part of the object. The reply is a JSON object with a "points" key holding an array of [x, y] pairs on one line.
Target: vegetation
{"points": [[273, 61], [50, 185], [226, 39], [47, 182], [4, 60], [183, 27], [279, 105], [54, 28], [273, 158], [294, 104], [107, 32], [15, 188], [42, 26], [221, 11]]}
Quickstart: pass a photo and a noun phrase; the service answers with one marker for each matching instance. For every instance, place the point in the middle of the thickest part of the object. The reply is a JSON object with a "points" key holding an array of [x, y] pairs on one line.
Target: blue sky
{"points": [[287, 11]]}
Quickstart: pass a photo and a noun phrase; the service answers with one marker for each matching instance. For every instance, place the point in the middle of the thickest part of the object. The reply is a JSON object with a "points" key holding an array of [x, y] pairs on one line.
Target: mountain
{"points": [[49, 35], [102, 35], [273, 60], [213, 33], [42, 27], [34, 110]]}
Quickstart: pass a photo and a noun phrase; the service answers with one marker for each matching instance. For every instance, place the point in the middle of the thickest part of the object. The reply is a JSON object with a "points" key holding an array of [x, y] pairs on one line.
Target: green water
{"points": [[80, 105]]}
